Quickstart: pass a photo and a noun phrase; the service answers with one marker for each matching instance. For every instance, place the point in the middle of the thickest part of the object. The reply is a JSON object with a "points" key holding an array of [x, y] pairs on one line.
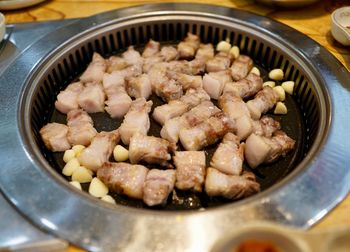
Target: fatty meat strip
{"points": [[266, 126], [168, 53], [67, 99], [123, 178], [230, 186], [151, 49], [246, 87], [150, 149], [190, 170], [80, 127], [157, 187], [136, 120], [95, 70], [54, 136], [207, 132], [171, 128], [228, 157], [100, 150], [177, 107], [92, 98], [214, 83], [139, 86], [205, 52], [260, 149], [188, 47], [219, 63], [241, 67]]}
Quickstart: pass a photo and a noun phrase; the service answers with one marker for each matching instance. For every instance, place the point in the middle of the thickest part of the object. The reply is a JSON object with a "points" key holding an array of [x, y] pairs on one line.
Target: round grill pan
{"points": [[313, 177]]}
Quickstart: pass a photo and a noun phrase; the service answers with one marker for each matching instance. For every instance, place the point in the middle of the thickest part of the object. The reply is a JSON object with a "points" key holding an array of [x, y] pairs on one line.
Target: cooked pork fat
{"points": [[124, 178], [171, 128], [230, 186], [262, 102], [220, 62], [246, 87], [241, 67], [100, 150], [213, 83], [207, 132], [54, 136], [205, 52], [188, 47], [233, 105], [95, 70], [136, 120], [260, 149], [115, 63], [67, 99], [139, 86], [186, 81], [92, 98], [151, 49], [157, 187], [190, 170], [133, 57], [80, 127], [168, 53], [152, 150], [266, 126], [228, 157]]}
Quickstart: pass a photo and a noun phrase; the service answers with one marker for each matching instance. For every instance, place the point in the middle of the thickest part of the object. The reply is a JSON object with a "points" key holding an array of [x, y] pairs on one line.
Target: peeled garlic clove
{"points": [[108, 198], [280, 109], [78, 149], [97, 188], [68, 155], [269, 83], [255, 70], [223, 46], [281, 93], [76, 184], [234, 51], [288, 86], [120, 153], [71, 167], [82, 175], [276, 74]]}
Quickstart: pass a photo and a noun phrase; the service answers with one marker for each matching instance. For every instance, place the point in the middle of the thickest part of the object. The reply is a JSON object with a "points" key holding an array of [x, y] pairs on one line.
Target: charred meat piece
{"points": [[124, 178], [157, 187], [207, 132], [80, 127], [92, 98], [95, 70], [186, 81], [213, 83], [230, 186], [136, 120], [260, 149], [241, 67], [228, 157], [168, 53], [205, 52], [152, 150], [100, 150], [262, 102], [151, 49], [196, 115], [266, 126], [246, 87], [67, 99], [188, 47], [190, 170], [139, 86], [54, 136], [220, 62]]}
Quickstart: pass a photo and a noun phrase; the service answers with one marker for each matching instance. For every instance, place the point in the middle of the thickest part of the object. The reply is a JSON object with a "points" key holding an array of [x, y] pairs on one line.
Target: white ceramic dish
{"points": [[2, 26], [341, 25], [17, 4]]}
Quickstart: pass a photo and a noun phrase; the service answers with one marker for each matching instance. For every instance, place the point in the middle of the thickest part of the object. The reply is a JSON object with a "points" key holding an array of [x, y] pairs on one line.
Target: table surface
{"points": [[313, 21]]}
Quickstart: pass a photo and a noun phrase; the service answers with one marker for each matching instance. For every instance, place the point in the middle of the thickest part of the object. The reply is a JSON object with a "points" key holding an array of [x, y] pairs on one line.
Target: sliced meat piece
{"points": [[115, 63], [54, 136], [262, 102], [92, 98], [67, 99], [187, 81], [241, 67], [205, 52], [151, 62], [136, 120], [190, 170], [80, 127], [133, 57], [100, 150], [188, 47], [230, 186], [259, 149], [213, 83], [246, 87], [228, 157], [207, 132], [194, 96], [157, 187], [124, 178], [233, 105], [196, 115], [139, 86], [95, 70], [152, 150], [168, 53], [266, 126], [151, 49], [220, 62]]}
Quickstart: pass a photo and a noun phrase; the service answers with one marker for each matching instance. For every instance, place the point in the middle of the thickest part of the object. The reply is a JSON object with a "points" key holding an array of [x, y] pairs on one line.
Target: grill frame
{"points": [[274, 204]]}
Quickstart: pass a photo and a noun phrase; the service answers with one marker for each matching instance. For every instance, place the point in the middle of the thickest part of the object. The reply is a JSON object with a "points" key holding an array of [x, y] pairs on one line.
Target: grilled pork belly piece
{"points": [[157, 187], [151, 49], [246, 87], [207, 132], [136, 120], [262, 102], [168, 53], [100, 150], [177, 107], [118, 101], [188, 47], [228, 157], [95, 70], [80, 127], [54, 136], [152, 150], [266, 126], [139, 86], [133, 57], [205, 52], [92, 98], [186, 81], [67, 99], [241, 67], [230, 186], [213, 83], [260, 149], [220, 62], [123, 178], [115, 63], [190, 170], [171, 128]]}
